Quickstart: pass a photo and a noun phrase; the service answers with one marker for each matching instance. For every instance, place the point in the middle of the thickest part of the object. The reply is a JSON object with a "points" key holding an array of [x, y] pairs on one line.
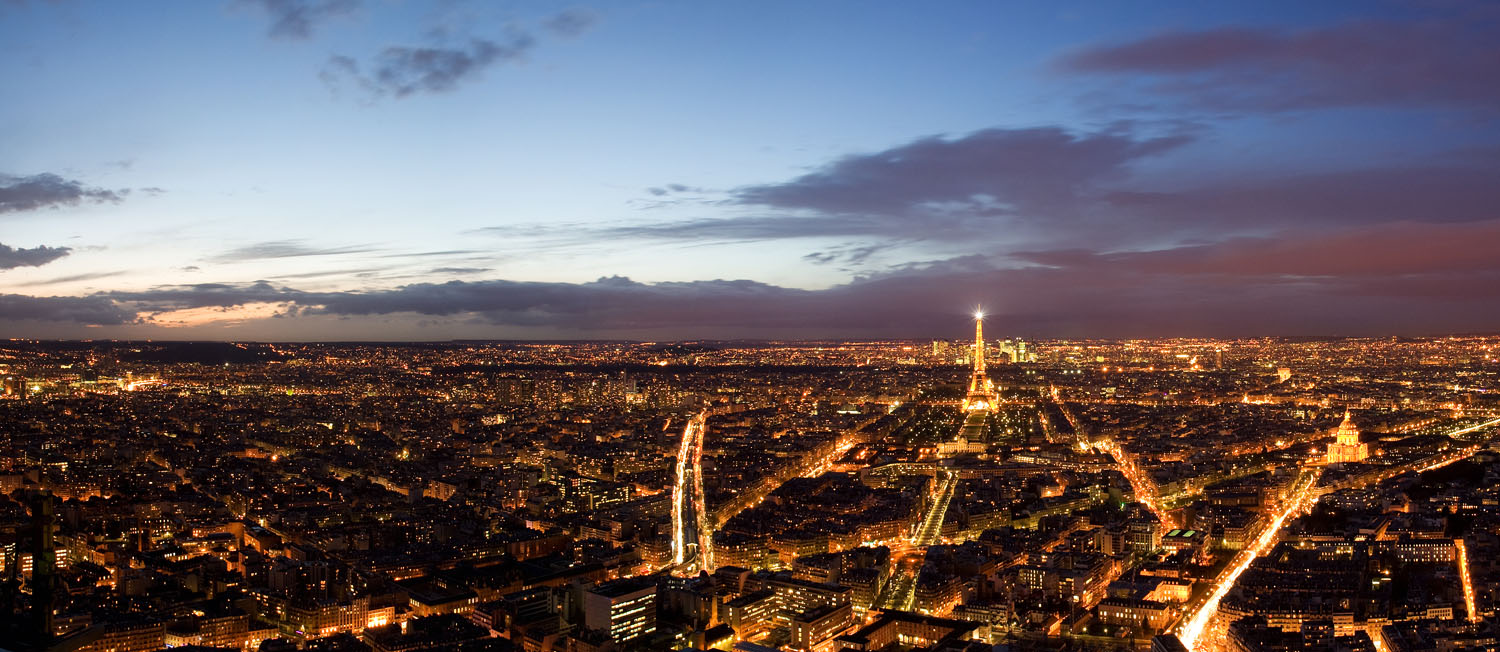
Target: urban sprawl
{"points": [[1326, 495]]}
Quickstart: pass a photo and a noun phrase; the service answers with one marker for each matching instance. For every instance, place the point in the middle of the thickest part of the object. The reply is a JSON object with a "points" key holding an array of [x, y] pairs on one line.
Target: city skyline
{"points": [[315, 170], [773, 326], [1165, 495]]}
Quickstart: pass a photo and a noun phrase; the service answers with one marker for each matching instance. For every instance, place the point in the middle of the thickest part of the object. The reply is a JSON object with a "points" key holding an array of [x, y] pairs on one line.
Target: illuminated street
{"points": [[1141, 484], [931, 524], [1194, 624], [1470, 607], [900, 592], [690, 535], [1201, 631]]}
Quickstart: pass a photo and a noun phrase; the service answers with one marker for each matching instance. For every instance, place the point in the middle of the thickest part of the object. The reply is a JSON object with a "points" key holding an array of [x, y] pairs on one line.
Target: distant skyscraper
{"points": [[1008, 350]]}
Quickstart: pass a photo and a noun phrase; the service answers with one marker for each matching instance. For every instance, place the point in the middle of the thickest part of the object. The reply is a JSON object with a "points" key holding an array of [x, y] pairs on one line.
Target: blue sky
{"points": [[315, 169]]}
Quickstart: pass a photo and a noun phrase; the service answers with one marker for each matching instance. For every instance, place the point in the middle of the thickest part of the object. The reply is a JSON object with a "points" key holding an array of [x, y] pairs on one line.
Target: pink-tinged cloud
{"points": [[1452, 61], [1384, 250]]}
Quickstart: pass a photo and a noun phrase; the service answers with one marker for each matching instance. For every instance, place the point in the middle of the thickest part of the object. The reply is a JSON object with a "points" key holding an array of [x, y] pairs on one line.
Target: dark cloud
{"points": [[994, 171], [298, 19], [1450, 61], [1415, 191], [1348, 280], [12, 257], [401, 71], [934, 188], [612, 304], [570, 23], [1403, 249], [203, 295], [850, 255], [48, 190], [1398, 278], [284, 249], [672, 188], [1008, 189], [94, 310]]}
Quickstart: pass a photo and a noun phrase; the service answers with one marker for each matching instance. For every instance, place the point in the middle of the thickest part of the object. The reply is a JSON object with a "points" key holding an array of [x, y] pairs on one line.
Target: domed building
{"points": [[1346, 446]]}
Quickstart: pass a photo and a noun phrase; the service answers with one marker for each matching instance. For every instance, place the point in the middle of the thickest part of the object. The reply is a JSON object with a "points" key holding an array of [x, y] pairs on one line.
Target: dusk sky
{"points": [[402, 170]]}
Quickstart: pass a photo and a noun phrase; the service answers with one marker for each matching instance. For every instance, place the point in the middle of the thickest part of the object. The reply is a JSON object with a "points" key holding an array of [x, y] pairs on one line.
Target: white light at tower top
{"points": [[979, 314]]}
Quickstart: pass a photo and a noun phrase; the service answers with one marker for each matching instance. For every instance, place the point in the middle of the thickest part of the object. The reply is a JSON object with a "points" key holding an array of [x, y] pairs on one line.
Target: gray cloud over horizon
{"points": [[1305, 282], [47, 190], [13, 257]]}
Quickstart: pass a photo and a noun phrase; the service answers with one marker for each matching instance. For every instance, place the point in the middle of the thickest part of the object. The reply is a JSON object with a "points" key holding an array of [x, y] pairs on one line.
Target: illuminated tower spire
{"points": [[979, 343], [981, 394]]}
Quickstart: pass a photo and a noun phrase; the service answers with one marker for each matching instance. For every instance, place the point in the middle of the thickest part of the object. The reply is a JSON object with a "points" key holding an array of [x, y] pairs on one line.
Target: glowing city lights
{"points": [[1193, 629], [687, 494], [1463, 576]]}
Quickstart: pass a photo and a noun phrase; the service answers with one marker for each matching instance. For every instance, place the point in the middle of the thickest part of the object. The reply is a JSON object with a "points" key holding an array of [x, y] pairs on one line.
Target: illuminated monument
{"points": [[1346, 446], [982, 396], [979, 403]]}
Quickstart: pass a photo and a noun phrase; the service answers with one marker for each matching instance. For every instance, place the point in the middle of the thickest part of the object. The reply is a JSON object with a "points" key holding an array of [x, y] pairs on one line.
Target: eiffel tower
{"points": [[982, 396]]}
